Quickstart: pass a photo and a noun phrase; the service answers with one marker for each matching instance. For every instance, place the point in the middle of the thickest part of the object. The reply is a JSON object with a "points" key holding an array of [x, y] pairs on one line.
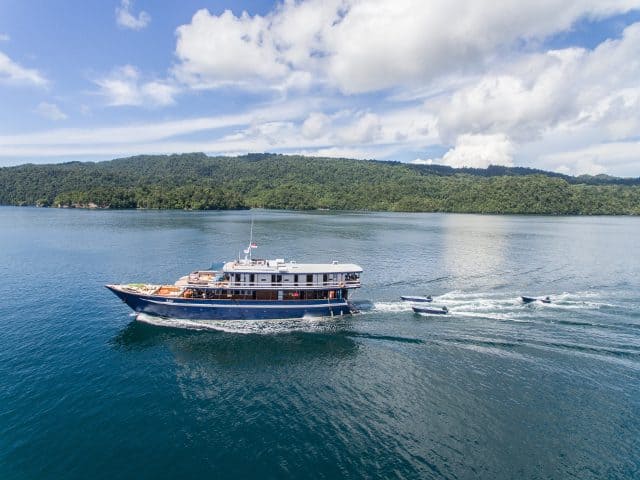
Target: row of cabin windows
{"points": [[306, 279], [210, 294]]}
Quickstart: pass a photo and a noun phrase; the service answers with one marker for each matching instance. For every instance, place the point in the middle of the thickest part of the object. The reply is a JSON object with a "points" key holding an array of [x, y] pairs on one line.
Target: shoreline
{"points": [[324, 210]]}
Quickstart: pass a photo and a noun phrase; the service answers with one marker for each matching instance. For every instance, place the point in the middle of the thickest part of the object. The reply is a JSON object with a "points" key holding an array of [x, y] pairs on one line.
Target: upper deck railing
{"points": [[274, 285]]}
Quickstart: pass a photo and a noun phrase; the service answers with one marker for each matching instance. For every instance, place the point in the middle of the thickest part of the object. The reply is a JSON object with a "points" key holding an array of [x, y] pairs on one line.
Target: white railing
{"points": [[276, 285]]}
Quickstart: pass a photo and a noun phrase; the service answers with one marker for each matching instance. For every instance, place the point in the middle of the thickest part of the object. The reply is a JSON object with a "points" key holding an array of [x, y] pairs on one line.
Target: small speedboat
{"points": [[535, 299], [431, 310], [417, 299]]}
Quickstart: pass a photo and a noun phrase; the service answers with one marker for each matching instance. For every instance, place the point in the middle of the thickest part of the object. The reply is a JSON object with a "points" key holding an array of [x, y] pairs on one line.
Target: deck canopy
{"points": [[280, 266]]}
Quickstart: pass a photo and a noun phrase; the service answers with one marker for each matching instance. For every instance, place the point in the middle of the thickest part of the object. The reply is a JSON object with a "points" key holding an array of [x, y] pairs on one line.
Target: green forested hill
{"points": [[196, 181]]}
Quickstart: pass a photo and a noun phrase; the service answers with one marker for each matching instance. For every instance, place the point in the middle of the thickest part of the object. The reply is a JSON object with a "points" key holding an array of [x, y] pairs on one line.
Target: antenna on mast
{"points": [[251, 237], [247, 251]]}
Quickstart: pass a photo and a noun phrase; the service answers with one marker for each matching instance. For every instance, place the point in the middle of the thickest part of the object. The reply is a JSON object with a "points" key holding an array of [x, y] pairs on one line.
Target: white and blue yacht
{"points": [[249, 289]]}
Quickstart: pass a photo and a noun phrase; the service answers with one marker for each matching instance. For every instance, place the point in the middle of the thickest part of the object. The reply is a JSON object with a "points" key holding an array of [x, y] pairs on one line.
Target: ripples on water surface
{"points": [[496, 389]]}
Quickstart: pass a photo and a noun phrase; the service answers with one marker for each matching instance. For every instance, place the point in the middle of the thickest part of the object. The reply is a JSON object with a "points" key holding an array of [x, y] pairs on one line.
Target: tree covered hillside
{"points": [[196, 181]]}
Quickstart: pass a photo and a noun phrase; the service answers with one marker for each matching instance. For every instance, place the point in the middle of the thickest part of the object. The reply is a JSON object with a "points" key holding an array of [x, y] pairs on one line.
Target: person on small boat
{"points": [[526, 299], [416, 298]]}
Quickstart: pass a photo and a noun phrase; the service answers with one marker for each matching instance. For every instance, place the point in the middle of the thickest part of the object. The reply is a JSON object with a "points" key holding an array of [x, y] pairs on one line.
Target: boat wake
{"points": [[398, 306], [581, 300], [264, 327], [506, 305], [499, 306]]}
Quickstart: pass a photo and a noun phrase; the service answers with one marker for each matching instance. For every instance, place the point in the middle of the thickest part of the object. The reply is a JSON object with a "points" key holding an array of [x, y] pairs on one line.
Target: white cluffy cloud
{"points": [[369, 45], [316, 125], [51, 111], [217, 50], [570, 88], [365, 129], [423, 161], [479, 151], [123, 87], [386, 43], [544, 104], [126, 19], [13, 73], [592, 159]]}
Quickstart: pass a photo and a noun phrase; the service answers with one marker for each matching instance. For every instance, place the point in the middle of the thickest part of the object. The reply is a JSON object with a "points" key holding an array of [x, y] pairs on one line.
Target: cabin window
{"points": [[295, 279], [309, 279], [252, 278], [292, 295], [316, 295], [237, 277], [266, 295], [324, 278]]}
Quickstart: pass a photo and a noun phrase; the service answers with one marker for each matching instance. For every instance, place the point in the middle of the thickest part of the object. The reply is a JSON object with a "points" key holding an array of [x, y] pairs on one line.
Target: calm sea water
{"points": [[495, 390]]}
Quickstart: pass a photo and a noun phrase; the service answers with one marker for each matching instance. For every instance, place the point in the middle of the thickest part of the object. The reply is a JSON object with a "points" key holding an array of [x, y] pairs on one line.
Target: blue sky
{"points": [[552, 84]]}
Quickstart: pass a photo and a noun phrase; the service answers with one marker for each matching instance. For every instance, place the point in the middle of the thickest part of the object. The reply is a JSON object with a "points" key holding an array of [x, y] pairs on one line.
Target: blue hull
{"points": [[193, 309]]}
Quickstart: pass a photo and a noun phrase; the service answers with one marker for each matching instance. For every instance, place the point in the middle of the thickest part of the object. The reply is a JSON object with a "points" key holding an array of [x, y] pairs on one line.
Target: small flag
{"points": [[254, 245]]}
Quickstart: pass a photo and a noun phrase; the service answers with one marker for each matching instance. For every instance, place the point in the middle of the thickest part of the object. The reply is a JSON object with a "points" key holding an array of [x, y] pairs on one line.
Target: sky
{"points": [[550, 84]]}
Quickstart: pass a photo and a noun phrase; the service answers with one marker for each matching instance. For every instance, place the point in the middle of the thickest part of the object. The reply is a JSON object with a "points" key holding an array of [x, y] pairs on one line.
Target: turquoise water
{"points": [[494, 390]]}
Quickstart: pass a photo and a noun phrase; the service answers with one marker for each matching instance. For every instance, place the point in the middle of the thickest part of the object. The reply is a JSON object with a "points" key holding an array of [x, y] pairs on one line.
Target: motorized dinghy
{"points": [[431, 310], [535, 299], [416, 298]]}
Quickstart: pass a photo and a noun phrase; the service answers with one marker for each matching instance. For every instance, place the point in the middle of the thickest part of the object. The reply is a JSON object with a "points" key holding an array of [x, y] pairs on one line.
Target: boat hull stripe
{"points": [[236, 310], [247, 305]]}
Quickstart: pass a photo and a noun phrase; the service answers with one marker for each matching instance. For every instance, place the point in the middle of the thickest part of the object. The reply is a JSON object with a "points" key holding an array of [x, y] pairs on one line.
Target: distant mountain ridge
{"points": [[197, 181], [499, 170]]}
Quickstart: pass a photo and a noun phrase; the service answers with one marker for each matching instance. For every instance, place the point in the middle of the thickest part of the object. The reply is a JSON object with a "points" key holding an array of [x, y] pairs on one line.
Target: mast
{"points": [[247, 251], [251, 238]]}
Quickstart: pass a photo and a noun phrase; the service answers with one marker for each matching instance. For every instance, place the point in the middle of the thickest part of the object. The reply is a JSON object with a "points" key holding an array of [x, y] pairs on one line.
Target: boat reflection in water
{"points": [[293, 343]]}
